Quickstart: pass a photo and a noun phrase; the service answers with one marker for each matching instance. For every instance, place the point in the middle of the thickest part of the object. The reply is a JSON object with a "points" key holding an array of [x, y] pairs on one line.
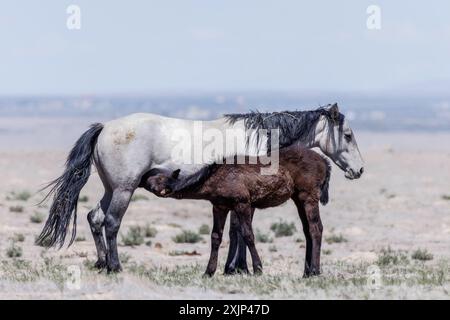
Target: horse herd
{"points": [[136, 152]]}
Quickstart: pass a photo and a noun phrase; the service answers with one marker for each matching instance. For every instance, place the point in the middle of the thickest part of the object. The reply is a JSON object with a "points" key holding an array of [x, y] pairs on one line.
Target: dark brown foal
{"points": [[303, 176]]}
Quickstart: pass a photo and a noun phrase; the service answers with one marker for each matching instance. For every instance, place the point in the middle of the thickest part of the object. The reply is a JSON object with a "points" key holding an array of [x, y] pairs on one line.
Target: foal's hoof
{"points": [[208, 275], [257, 271], [311, 273]]}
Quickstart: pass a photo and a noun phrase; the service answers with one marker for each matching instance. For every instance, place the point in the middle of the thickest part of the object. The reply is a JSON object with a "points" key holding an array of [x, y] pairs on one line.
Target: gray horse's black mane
{"points": [[293, 125]]}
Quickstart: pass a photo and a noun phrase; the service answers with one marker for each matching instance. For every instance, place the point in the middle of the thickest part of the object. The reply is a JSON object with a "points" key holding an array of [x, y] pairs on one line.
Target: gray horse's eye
{"points": [[348, 137]]}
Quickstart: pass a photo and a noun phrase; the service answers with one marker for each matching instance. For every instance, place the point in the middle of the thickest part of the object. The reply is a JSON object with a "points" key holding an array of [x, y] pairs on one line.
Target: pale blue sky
{"points": [[147, 47]]}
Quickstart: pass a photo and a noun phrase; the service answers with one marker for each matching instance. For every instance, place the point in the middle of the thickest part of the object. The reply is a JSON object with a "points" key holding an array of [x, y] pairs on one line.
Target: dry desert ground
{"points": [[386, 235]]}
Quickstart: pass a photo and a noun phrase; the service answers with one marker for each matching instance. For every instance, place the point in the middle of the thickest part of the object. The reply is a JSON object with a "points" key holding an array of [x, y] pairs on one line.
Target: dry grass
{"points": [[335, 239], [133, 237]]}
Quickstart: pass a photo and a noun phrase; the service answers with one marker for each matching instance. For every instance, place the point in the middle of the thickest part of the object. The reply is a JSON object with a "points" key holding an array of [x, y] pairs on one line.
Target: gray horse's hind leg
{"points": [[96, 218], [117, 208]]}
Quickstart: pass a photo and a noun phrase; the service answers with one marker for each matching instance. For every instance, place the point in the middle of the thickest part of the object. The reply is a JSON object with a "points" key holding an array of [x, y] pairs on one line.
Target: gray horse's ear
{"points": [[334, 112], [176, 173]]}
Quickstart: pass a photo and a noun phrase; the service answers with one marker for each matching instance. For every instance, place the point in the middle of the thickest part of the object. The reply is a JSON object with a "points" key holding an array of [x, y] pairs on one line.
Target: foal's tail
{"points": [[325, 184], [66, 189]]}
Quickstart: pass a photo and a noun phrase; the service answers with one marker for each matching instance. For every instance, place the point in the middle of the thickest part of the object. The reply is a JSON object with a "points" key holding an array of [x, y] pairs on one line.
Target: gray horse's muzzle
{"points": [[351, 174]]}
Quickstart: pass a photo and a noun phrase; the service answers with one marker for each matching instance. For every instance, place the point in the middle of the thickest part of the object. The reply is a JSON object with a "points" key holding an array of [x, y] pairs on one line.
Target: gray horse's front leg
{"points": [[117, 208]]}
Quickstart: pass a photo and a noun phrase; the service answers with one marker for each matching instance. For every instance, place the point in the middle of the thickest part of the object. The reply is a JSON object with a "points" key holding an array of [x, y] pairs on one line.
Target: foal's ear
{"points": [[176, 173], [334, 112]]}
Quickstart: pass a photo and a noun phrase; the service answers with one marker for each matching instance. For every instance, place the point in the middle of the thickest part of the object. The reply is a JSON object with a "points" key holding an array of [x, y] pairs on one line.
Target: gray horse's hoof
{"points": [[116, 268], [100, 264]]}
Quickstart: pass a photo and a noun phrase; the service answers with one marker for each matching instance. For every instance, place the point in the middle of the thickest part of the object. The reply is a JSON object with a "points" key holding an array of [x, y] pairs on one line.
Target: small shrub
{"points": [[283, 229], [150, 232], [14, 251], [134, 237], [204, 229], [148, 243], [335, 239], [422, 255], [446, 197], [138, 197], [18, 237], [124, 257], [327, 252], [17, 209], [83, 199], [299, 240], [21, 196], [187, 237], [273, 249], [174, 225], [80, 239], [390, 257], [262, 237], [82, 254], [37, 217]]}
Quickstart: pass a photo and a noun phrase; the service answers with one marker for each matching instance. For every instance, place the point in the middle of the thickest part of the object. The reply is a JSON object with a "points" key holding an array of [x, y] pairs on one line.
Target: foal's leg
{"points": [[96, 218], [302, 214], [312, 228], [219, 217], [315, 230], [117, 208], [244, 213], [237, 253]]}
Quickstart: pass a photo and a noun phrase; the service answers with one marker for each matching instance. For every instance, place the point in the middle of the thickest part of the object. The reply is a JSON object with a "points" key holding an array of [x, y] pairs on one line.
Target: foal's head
{"points": [[161, 184]]}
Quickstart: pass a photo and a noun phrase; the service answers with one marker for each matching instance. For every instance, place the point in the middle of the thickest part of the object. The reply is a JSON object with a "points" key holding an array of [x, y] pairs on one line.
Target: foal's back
{"points": [[245, 183], [301, 171]]}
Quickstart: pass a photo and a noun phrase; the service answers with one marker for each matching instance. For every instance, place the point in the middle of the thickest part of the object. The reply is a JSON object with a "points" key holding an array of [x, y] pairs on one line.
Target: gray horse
{"points": [[127, 149]]}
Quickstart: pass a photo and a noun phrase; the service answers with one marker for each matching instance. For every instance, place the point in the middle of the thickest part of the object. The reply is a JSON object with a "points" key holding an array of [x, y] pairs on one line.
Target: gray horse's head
{"points": [[335, 138]]}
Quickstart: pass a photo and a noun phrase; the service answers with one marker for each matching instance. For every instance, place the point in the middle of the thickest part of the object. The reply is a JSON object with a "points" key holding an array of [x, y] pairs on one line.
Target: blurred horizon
{"points": [[369, 112]]}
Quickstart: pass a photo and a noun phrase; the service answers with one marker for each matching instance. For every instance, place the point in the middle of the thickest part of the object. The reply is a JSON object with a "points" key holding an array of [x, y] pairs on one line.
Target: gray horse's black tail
{"points": [[66, 190], [326, 183]]}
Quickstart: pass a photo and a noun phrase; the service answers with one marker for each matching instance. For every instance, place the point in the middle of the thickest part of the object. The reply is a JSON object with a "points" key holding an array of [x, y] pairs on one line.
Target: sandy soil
{"points": [[400, 202]]}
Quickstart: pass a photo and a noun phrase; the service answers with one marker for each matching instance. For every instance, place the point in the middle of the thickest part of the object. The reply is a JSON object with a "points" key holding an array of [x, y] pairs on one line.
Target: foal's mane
{"points": [[195, 180], [293, 125]]}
